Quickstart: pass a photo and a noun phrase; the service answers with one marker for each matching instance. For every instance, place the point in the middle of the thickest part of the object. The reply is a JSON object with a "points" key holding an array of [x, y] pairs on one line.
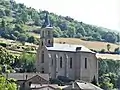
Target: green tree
{"points": [[71, 31], [108, 47], [31, 39], [8, 12], [117, 50], [5, 57], [6, 84], [105, 82], [22, 37], [110, 37], [96, 36], [27, 62], [3, 24], [19, 28], [2, 13]]}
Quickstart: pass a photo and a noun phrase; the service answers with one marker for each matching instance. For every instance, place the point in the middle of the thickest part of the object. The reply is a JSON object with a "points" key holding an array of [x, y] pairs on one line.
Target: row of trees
{"points": [[64, 26]]}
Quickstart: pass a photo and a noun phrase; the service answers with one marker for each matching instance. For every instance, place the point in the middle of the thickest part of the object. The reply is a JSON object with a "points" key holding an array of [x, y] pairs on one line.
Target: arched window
{"points": [[70, 62], [60, 62], [85, 63], [42, 57]]}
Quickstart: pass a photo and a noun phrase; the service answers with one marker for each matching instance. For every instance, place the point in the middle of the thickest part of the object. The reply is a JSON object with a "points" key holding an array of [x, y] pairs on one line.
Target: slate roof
{"points": [[26, 76], [82, 85], [38, 86], [87, 86], [68, 48]]}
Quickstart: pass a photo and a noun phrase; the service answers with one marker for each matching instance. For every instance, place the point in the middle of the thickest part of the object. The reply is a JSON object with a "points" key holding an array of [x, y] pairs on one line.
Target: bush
{"points": [[102, 51], [3, 44], [117, 50]]}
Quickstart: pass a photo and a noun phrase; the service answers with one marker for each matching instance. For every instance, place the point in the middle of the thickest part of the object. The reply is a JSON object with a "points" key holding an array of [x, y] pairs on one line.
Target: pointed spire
{"points": [[46, 22]]}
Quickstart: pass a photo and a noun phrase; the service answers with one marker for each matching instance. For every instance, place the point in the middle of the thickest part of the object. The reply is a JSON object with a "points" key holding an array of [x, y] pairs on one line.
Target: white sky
{"points": [[105, 13]]}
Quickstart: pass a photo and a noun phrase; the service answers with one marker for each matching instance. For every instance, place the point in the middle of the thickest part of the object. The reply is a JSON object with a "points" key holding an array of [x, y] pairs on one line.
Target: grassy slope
{"points": [[89, 44]]}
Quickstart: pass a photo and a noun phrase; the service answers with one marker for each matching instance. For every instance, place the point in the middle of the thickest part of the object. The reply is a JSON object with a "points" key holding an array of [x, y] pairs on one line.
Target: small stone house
{"points": [[25, 80]]}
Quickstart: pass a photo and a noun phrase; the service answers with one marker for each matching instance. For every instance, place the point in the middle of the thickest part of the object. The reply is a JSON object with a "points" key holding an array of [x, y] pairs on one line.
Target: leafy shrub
{"points": [[3, 44]]}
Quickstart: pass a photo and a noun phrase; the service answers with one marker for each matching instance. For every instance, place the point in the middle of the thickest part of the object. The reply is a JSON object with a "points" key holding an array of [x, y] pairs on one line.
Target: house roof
{"points": [[87, 86], [68, 48], [82, 85], [38, 86], [26, 76]]}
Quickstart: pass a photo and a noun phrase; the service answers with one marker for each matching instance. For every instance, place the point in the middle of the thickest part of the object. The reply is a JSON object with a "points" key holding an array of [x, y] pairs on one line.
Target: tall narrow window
{"points": [[42, 33], [85, 63], [70, 62], [48, 41], [60, 62], [42, 57], [42, 70], [49, 33], [42, 43]]}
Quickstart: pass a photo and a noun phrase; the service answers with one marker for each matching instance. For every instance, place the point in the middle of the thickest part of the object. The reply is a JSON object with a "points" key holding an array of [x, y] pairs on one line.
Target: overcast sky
{"points": [[105, 13]]}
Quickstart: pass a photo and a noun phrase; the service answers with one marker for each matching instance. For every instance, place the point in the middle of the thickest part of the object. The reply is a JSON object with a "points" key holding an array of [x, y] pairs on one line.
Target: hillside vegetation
{"points": [[17, 22]]}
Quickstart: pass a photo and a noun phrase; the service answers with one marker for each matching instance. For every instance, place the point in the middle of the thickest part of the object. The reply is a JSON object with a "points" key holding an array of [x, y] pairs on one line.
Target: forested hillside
{"points": [[17, 22]]}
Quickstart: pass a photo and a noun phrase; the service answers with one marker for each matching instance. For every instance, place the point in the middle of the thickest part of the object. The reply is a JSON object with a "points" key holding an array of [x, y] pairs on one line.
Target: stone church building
{"points": [[61, 59]]}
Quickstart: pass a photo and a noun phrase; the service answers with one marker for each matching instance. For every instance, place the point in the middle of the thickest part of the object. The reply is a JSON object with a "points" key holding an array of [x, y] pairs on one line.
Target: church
{"points": [[75, 62]]}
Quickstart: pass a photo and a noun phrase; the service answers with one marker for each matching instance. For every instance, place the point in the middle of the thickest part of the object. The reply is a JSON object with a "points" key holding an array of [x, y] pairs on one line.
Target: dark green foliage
{"points": [[108, 47], [110, 37], [117, 50], [102, 51], [8, 12], [3, 44], [31, 39], [109, 73], [26, 62], [22, 37]]}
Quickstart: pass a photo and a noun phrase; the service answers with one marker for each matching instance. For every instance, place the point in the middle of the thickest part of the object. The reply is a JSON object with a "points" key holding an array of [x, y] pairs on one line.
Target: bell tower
{"points": [[46, 38]]}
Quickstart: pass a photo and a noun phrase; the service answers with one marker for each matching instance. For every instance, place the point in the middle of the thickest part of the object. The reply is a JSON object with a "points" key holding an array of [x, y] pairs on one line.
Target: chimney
{"points": [[78, 48]]}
